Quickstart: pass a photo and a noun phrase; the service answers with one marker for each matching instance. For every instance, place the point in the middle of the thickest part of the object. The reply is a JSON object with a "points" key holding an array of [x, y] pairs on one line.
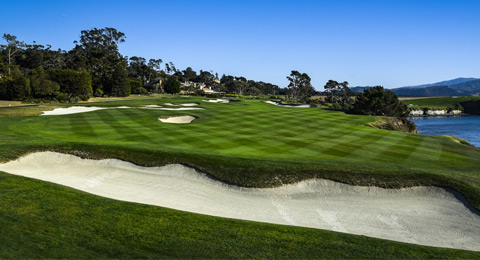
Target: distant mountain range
{"points": [[454, 87]]}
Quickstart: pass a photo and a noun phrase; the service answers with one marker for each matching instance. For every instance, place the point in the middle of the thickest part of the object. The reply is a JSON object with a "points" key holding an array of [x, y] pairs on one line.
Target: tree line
{"points": [[95, 67]]}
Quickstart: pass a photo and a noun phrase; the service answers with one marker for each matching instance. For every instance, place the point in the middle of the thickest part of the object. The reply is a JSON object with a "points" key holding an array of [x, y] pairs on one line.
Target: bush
{"points": [[379, 102]]}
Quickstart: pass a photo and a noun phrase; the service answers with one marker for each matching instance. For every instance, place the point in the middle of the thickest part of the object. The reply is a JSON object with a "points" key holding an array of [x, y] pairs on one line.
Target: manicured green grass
{"points": [[43, 220], [249, 143], [442, 102]]}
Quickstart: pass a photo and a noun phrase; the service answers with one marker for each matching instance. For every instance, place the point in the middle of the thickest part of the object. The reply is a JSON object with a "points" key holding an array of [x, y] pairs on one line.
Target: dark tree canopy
{"points": [[41, 86], [172, 85], [73, 83], [379, 102]]}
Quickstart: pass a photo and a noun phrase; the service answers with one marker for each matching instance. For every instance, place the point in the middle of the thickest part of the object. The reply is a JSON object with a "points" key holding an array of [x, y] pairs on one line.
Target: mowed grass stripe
{"points": [[82, 126], [126, 132], [399, 150]]}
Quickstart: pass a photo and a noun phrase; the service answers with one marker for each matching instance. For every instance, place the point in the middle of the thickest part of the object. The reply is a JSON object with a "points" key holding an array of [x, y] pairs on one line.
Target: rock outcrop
{"points": [[395, 124]]}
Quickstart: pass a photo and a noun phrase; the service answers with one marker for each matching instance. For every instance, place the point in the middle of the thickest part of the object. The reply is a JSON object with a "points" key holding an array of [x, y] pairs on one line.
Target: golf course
{"points": [[386, 194]]}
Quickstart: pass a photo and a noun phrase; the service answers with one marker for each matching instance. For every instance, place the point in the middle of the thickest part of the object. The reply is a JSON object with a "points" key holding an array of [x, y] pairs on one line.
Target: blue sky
{"points": [[390, 42]]}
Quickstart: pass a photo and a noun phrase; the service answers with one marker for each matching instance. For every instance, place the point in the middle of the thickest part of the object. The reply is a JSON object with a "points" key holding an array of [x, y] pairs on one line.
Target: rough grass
{"points": [[247, 143]]}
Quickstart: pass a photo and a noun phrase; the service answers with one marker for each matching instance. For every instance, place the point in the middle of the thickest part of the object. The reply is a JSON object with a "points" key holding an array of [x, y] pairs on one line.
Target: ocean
{"points": [[465, 127]]}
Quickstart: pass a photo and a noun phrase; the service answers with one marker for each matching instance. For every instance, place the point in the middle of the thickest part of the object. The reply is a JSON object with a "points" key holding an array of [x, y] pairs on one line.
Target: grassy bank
{"points": [[247, 143]]}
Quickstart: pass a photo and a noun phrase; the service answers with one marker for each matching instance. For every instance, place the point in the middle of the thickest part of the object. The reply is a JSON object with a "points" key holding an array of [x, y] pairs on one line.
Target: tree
{"points": [[379, 102], [136, 86], [73, 83], [12, 47], [299, 87], [172, 85], [240, 87], [337, 92], [189, 74], [97, 52], [155, 65], [41, 86]]}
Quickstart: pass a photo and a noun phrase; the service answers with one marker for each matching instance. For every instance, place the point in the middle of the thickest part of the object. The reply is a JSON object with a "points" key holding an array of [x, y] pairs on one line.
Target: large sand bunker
{"points": [[178, 119], [421, 215], [282, 105], [78, 109], [70, 110]]}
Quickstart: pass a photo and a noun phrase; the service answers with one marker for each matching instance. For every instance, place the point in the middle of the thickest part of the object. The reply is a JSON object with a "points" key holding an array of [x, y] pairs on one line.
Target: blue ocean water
{"points": [[465, 127]]}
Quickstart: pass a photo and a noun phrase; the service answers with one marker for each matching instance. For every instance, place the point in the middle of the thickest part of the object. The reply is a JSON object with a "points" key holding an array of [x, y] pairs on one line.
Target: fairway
{"points": [[250, 143]]}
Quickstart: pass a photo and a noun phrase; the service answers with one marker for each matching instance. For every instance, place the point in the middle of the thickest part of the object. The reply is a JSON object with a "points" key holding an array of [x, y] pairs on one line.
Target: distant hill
{"points": [[443, 83], [454, 87], [472, 87], [435, 91], [359, 89]]}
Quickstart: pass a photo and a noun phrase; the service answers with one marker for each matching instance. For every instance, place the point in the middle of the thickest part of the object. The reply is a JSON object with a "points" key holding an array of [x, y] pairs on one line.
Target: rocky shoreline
{"points": [[435, 112]]}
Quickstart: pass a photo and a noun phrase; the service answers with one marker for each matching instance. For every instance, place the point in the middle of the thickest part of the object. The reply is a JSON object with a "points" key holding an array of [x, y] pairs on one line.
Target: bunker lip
{"points": [[281, 105], [177, 119], [421, 215]]}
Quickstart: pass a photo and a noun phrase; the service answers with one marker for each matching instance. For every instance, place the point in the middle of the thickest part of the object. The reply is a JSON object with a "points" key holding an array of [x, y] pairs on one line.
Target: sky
{"points": [[392, 43]]}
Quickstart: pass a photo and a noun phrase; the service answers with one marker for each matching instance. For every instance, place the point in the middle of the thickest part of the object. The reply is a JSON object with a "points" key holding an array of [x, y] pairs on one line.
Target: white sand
{"points": [[188, 104], [70, 110], [421, 215], [281, 105], [219, 100], [76, 109], [178, 119], [179, 108], [183, 104], [152, 106]]}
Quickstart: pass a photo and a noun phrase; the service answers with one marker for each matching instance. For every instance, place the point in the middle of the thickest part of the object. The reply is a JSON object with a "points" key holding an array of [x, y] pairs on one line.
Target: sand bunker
{"points": [[183, 105], [76, 110], [70, 110], [178, 119], [281, 105], [180, 108], [219, 100], [152, 106], [421, 215]]}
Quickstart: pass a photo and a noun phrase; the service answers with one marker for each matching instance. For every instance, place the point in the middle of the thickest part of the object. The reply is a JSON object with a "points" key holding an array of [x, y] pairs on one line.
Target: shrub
{"points": [[379, 102]]}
